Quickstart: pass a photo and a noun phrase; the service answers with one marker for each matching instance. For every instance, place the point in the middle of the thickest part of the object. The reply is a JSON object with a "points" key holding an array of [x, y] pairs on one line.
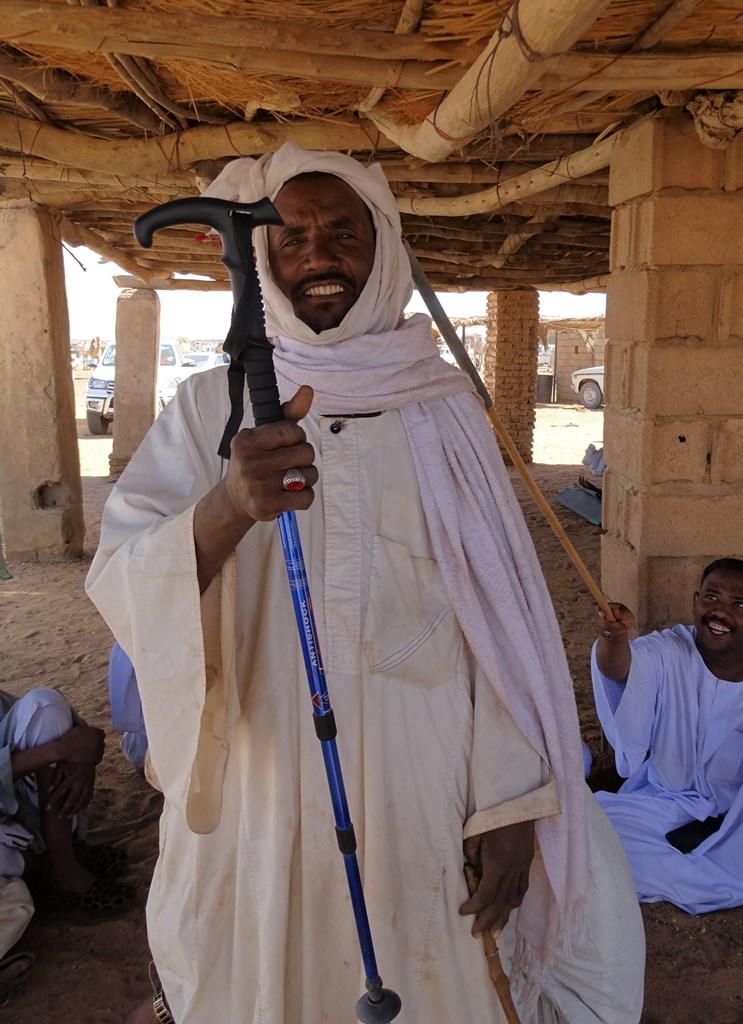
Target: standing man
{"points": [[678, 695], [457, 725]]}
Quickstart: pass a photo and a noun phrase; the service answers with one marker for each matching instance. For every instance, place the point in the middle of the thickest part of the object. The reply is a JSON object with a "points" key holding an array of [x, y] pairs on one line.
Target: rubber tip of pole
{"points": [[378, 1006]]}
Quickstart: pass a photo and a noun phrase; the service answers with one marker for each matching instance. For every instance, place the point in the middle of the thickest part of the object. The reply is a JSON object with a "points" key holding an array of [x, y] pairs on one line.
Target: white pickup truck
{"points": [[99, 394], [589, 383]]}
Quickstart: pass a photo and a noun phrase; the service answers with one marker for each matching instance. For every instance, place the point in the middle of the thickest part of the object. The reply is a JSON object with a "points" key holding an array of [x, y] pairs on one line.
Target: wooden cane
{"points": [[465, 363], [498, 976]]}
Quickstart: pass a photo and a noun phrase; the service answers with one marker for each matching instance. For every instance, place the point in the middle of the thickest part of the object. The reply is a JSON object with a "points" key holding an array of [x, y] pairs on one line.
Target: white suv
{"points": [[99, 394], [589, 383]]}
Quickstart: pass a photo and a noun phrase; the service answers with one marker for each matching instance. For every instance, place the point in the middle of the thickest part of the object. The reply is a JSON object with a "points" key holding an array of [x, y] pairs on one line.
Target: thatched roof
{"points": [[494, 121]]}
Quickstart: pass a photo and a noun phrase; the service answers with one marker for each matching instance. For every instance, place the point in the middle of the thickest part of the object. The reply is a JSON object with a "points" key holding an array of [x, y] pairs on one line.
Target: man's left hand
{"points": [[501, 859]]}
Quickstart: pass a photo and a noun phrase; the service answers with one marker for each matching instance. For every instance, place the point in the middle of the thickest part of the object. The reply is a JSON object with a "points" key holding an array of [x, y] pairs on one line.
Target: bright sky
{"points": [[92, 294]]}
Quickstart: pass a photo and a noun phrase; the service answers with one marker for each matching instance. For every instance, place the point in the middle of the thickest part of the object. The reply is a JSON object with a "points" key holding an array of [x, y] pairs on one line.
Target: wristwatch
{"points": [[160, 1007]]}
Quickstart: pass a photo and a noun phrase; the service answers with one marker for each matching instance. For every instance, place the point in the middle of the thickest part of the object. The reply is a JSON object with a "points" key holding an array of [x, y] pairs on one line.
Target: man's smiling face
{"points": [[718, 615], [322, 255]]}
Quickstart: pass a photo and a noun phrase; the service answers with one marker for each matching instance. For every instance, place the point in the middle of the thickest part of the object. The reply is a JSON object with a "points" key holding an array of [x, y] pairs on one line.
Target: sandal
{"points": [[103, 899], [105, 862], [13, 969]]}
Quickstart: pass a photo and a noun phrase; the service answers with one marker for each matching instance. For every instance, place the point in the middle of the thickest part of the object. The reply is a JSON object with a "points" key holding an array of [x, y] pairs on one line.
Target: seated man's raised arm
{"points": [[613, 651]]}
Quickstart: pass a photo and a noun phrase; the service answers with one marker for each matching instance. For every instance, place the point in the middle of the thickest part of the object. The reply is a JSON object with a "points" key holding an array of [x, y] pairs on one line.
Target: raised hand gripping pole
{"points": [[251, 352]]}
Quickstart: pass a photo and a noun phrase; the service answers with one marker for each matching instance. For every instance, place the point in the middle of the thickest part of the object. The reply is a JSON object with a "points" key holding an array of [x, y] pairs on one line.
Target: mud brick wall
{"points": [[673, 428], [510, 362]]}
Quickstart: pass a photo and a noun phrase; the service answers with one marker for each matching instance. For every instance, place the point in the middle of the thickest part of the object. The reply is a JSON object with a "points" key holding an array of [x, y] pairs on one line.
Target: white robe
{"points": [[249, 915], [692, 724]]}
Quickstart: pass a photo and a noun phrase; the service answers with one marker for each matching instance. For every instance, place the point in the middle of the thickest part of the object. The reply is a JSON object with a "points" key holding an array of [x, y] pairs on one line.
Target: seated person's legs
{"points": [[53, 762]]}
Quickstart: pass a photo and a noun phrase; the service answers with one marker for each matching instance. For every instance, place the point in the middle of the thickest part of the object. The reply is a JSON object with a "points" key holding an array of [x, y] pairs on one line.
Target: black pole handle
{"points": [[246, 342]]}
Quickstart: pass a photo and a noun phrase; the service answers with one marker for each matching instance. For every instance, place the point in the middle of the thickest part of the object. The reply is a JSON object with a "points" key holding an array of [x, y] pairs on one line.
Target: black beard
{"points": [[323, 321]]}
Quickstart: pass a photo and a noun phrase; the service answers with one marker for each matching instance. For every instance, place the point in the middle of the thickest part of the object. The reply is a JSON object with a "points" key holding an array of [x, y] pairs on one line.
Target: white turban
{"points": [[380, 306]]}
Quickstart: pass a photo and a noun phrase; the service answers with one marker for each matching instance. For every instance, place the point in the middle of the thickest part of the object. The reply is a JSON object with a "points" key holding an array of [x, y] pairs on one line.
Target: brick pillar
{"points": [[673, 488], [40, 489], [137, 361], [510, 362]]}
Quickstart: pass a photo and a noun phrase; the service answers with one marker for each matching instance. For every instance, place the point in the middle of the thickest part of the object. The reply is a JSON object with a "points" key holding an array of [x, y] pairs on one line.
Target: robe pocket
{"points": [[411, 633]]}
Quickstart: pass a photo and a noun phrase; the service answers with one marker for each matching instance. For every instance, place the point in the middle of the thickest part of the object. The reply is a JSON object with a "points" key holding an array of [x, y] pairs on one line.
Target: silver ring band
{"points": [[608, 634], [294, 480]]}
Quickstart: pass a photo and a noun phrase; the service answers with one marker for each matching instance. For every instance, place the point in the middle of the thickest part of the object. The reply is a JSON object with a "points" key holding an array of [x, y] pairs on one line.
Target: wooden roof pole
{"points": [[407, 23], [670, 18], [588, 284], [168, 153], [173, 284], [534, 226], [512, 62], [652, 35], [533, 182], [53, 86], [76, 234], [258, 45], [367, 57]]}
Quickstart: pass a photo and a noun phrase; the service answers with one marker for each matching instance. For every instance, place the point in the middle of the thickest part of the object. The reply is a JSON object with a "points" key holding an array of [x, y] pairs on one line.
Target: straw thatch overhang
{"points": [[494, 121]]}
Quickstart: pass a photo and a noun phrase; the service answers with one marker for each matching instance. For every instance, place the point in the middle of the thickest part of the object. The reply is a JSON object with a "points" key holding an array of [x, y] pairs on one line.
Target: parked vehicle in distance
{"points": [[589, 383], [99, 393], [208, 360], [202, 361]]}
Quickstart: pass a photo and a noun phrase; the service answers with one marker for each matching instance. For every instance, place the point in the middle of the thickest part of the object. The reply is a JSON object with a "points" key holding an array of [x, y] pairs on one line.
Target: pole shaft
{"points": [[322, 709]]}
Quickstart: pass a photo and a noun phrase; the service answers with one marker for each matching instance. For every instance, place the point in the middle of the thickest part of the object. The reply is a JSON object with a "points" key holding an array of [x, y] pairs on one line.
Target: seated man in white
{"points": [[671, 705]]}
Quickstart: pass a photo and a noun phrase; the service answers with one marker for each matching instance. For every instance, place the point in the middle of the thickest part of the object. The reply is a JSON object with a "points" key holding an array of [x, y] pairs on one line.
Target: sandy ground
{"points": [[91, 972]]}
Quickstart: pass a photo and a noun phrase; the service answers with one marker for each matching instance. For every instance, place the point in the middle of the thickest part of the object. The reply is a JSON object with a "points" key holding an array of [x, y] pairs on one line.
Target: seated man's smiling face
{"points": [[322, 255]]}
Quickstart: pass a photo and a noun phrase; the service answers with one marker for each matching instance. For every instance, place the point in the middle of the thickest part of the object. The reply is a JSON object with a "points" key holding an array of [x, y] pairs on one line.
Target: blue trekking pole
{"points": [[252, 357]]}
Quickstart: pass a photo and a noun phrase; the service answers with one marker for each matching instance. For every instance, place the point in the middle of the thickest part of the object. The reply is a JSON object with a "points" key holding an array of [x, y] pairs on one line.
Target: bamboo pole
{"points": [[465, 363]]}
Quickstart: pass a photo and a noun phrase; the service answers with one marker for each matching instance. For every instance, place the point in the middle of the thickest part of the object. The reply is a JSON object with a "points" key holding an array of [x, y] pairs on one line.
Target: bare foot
{"points": [[144, 1014], [69, 875]]}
